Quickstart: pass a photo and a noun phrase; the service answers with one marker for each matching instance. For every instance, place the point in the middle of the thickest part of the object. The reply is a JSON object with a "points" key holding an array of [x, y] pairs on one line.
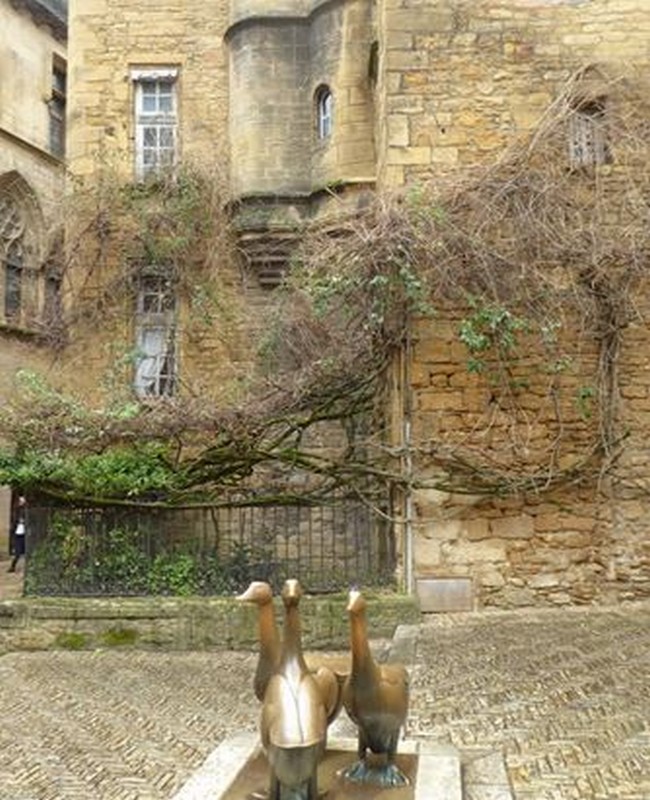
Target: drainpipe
{"points": [[408, 466], [408, 511]]}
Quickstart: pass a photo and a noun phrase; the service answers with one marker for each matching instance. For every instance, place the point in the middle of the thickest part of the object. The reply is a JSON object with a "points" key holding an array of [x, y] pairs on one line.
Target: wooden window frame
{"points": [[155, 373], [156, 128]]}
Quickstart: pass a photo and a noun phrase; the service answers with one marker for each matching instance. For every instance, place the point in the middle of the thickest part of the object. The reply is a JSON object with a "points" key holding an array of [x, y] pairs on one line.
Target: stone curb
{"points": [[221, 768]]}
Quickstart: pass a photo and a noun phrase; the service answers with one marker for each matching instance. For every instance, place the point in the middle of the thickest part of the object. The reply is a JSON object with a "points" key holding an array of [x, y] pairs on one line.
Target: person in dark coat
{"points": [[18, 532]]}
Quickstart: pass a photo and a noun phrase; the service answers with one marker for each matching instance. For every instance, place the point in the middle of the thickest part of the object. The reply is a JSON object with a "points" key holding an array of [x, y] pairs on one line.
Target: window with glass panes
{"points": [[155, 336], [588, 135], [57, 105], [324, 112], [156, 124], [12, 233]]}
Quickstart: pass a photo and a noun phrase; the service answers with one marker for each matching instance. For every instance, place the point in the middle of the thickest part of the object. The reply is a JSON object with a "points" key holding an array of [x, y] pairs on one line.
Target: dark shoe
{"points": [[12, 568]]}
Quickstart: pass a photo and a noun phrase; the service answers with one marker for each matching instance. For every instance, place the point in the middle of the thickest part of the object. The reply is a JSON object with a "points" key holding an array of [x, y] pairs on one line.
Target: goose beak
{"points": [[354, 595], [291, 590], [250, 593]]}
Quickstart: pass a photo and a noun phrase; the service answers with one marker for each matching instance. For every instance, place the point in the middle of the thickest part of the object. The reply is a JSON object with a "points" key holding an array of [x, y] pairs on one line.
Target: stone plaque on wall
{"points": [[445, 594]]}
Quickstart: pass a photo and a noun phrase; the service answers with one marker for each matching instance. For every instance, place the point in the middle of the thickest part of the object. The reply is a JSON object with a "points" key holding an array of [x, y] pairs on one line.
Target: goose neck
{"points": [[359, 646]]}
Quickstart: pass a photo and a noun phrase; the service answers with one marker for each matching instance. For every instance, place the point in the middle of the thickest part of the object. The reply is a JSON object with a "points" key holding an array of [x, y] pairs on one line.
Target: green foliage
{"points": [[119, 472], [72, 560], [173, 573], [377, 300], [490, 329], [585, 400]]}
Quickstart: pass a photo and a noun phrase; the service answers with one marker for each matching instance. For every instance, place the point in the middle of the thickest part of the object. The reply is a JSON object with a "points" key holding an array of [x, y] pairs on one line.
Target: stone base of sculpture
{"points": [[238, 770]]}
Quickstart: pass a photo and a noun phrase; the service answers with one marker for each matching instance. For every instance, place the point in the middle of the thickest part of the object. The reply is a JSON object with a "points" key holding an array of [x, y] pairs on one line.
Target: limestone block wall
{"points": [[462, 79], [576, 544], [459, 81], [270, 110], [341, 39], [26, 62], [182, 623], [29, 172], [107, 38], [278, 59], [30, 176]]}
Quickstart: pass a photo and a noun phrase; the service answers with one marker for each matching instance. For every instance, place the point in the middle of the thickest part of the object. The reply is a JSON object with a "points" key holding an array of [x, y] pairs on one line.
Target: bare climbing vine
{"points": [[537, 264]]}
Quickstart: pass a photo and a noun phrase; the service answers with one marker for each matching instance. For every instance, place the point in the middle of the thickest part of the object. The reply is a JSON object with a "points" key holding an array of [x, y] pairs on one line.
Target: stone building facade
{"points": [[307, 107], [32, 138]]}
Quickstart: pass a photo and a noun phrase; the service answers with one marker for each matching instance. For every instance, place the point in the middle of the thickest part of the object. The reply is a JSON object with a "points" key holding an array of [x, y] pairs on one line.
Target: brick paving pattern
{"points": [[118, 725], [565, 694]]}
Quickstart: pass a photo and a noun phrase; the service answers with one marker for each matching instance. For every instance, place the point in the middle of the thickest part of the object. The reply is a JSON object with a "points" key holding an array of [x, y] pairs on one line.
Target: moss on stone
{"points": [[119, 637], [72, 640]]}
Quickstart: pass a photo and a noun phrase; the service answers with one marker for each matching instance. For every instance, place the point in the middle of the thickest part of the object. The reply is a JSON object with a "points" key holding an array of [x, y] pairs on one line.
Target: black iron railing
{"points": [[116, 551]]}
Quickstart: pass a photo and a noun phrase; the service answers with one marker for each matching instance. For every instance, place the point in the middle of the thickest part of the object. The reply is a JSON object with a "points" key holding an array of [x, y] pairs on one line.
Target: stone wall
{"points": [[461, 79], [459, 82], [107, 38], [183, 624], [30, 175], [275, 147], [572, 545]]}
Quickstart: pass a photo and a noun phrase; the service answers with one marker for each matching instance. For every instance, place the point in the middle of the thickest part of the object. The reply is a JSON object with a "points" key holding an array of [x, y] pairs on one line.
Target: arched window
{"points": [[21, 233], [12, 232], [14, 280], [324, 112]]}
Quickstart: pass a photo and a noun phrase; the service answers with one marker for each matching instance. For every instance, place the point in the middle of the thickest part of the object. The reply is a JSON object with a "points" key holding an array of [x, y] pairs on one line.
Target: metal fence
{"points": [[117, 551]]}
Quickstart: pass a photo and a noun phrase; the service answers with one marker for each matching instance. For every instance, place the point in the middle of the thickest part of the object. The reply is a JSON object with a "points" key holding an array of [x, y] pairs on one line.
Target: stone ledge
{"points": [[183, 623]]}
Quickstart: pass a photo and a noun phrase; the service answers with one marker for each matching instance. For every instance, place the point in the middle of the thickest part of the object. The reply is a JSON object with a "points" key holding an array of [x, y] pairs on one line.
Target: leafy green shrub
{"points": [[78, 561], [173, 573]]}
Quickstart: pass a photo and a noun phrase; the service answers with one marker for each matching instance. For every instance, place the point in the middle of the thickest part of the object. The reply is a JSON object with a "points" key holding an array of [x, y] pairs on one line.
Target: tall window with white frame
{"points": [[324, 106], [156, 121], [155, 335]]}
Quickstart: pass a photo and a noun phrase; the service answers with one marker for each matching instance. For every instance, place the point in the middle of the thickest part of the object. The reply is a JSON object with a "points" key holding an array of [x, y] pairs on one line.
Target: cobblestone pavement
{"points": [[565, 694], [118, 725]]}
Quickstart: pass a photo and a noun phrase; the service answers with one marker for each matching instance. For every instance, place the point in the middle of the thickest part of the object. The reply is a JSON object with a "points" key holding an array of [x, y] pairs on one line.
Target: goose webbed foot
{"points": [[386, 775], [358, 772], [392, 775]]}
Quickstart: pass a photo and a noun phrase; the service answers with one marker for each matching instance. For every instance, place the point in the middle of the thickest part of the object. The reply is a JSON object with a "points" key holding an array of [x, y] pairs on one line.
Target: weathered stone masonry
{"points": [[454, 83]]}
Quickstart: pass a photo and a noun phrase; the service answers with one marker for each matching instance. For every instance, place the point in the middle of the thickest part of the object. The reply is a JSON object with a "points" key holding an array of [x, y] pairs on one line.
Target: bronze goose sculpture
{"points": [[375, 697], [261, 594], [329, 683], [294, 720]]}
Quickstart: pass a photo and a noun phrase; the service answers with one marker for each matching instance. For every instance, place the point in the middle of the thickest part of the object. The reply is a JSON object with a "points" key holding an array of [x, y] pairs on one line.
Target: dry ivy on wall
{"points": [[117, 229], [534, 260]]}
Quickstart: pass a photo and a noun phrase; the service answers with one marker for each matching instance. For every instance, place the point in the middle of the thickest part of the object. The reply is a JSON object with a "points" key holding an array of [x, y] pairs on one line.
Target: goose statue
{"points": [[329, 682], [375, 697], [293, 726], [261, 594]]}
